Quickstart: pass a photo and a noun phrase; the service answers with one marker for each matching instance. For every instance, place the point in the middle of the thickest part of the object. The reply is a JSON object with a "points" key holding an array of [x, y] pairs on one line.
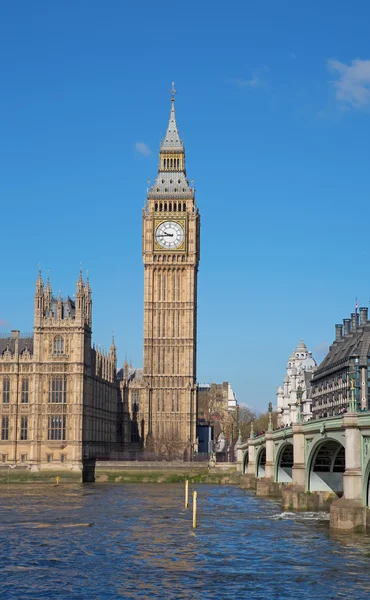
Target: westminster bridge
{"points": [[314, 465]]}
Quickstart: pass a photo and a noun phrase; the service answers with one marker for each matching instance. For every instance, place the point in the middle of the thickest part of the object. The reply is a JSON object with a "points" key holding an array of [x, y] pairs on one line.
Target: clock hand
{"points": [[165, 234]]}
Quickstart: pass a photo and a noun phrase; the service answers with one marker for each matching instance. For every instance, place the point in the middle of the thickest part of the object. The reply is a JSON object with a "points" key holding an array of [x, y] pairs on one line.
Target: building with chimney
{"points": [[297, 387], [59, 395], [343, 375]]}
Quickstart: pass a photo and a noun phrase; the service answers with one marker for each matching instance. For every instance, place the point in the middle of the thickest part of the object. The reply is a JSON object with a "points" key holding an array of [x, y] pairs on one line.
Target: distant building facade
{"points": [[59, 395], [297, 386], [344, 372], [217, 406]]}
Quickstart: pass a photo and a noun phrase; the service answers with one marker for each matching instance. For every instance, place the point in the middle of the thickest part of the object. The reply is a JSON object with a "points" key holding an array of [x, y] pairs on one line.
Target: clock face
{"points": [[169, 235]]}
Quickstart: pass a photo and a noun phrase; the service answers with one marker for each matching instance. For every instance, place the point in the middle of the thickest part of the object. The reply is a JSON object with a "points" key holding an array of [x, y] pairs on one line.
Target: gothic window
{"points": [[6, 390], [24, 428], [5, 428], [57, 428], [164, 163], [178, 163], [58, 390], [135, 397], [160, 207], [174, 204], [184, 205], [156, 207], [165, 204], [25, 387], [58, 345], [170, 207]]}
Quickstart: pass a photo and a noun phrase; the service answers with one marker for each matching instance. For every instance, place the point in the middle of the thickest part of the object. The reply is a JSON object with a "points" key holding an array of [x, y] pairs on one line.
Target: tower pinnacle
{"points": [[172, 140]]}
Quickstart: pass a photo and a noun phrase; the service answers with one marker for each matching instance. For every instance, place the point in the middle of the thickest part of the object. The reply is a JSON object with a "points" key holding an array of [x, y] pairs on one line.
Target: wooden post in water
{"points": [[186, 493], [195, 509]]}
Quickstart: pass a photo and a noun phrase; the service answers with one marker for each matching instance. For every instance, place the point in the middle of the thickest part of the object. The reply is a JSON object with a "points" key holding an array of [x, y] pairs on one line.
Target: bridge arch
{"points": [[245, 462], [261, 462], [325, 466], [366, 485], [284, 463]]}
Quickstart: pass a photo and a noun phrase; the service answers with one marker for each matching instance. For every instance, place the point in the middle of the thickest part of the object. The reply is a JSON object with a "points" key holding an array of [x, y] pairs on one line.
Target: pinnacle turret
{"points": [[172, 140]]}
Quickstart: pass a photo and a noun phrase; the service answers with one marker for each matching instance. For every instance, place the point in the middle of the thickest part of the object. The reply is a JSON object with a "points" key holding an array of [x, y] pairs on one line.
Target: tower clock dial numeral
{"points": [[169, 235]]}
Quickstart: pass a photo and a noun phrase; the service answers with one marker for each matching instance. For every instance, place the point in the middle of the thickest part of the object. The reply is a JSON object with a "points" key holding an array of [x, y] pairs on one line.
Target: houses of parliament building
{"points": [[62, 400]]}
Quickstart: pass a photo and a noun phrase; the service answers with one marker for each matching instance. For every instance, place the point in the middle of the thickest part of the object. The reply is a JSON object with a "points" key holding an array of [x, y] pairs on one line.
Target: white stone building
{"points": [[297, 381]]}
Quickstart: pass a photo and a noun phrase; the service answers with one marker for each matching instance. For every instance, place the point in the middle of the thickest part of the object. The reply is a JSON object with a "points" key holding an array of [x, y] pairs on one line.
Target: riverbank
{"points": [[123, 473]]}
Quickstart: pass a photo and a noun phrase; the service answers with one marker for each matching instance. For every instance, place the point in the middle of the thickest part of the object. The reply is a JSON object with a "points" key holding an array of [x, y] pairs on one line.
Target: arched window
{"points": [[156, 206], [165, 206], [58, 345], [174, 205], [184, 206], [178, 163], [170, 207], [164, 163], [160, 207]]}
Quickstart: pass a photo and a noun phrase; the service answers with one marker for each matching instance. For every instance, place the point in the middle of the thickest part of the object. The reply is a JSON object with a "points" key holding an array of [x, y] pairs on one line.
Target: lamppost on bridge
{"points": [[353, 404], [270, 417], [299, 404], [251, 435]]}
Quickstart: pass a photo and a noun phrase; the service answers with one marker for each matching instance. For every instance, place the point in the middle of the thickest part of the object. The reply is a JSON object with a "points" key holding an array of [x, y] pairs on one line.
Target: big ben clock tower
{"points": [[171, 256]]}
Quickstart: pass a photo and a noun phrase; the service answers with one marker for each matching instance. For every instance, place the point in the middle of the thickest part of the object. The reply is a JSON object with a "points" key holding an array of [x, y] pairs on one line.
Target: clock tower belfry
{"points": [[171, 226]]}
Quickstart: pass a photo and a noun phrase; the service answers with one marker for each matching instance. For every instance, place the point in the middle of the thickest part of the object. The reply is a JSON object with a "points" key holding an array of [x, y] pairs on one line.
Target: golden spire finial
{"points": [[173, 92]]}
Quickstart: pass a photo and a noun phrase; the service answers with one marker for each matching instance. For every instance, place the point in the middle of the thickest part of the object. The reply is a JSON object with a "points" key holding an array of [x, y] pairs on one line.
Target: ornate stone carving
{"points": [[366, 446]]}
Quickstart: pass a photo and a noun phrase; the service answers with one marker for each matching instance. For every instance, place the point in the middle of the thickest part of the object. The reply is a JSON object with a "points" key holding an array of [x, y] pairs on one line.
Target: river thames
{"points": [[104, 542]]}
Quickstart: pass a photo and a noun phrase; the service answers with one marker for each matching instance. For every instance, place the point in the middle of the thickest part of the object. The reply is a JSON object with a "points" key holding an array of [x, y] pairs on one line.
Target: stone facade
{"points": [[59, 395], [297, 387], [343, 375]]}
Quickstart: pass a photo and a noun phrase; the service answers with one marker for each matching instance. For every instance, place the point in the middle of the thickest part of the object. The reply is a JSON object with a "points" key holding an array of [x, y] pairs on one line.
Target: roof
{"points": [[8, 343], [171, 184], [354, 345]]}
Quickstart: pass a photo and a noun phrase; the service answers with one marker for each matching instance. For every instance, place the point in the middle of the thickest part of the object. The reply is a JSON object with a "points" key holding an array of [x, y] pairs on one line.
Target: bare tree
{"points": [[168, 446]]}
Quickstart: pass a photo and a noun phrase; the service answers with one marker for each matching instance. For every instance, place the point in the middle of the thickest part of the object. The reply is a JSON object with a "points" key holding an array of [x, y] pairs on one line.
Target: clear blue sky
{"points": [[274, 106]]}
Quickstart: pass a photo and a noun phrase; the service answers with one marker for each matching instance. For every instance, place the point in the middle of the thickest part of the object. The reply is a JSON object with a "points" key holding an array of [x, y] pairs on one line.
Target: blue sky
{"points": [[273, 104]]}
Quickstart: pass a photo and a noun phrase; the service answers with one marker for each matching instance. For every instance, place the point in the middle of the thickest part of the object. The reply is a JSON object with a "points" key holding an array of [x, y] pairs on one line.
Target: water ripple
{"points": [[130, 541]]}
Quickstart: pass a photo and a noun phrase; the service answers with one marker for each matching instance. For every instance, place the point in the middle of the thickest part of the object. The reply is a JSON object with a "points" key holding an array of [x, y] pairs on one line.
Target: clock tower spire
{"points": [[171, 256]]}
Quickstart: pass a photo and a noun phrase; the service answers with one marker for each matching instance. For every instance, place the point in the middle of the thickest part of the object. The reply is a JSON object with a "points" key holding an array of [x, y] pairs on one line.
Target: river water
{"points": [[105, 542]]}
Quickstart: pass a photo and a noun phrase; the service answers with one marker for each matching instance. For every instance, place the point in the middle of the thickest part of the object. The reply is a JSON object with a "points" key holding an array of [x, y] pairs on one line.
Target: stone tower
{"points": [[171, 227]]}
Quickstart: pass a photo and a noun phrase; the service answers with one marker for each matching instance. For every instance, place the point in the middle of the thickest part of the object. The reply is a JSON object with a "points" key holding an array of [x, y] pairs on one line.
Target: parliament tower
{"points": [[171, 227]]}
